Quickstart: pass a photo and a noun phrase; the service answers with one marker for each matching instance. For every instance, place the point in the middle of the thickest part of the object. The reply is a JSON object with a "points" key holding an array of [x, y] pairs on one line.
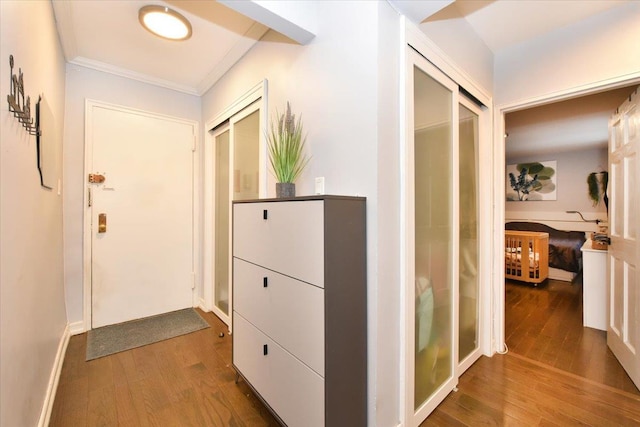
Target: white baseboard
{"points": [[52, 387], [76, 328], [202, 306]]}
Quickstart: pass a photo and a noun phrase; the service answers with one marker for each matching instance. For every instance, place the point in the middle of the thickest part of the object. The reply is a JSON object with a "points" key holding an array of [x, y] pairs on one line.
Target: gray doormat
{"points": [[136, 333]]}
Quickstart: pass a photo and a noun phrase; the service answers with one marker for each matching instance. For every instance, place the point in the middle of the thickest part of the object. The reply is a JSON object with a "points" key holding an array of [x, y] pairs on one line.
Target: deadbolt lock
{"points": [[95, 178]]}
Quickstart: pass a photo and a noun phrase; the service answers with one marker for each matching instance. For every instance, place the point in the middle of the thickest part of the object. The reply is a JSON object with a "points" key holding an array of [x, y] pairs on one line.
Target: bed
{"points": [[565, 257], [526, 256]]}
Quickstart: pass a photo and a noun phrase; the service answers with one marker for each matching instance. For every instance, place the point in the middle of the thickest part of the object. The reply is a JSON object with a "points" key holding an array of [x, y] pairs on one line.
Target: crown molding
{"points": [[122, 72]]}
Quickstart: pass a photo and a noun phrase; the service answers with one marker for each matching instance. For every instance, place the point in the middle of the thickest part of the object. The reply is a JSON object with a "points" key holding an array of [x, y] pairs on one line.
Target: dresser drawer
{"points": [[289, 311], [290, 240], [293, 391]]}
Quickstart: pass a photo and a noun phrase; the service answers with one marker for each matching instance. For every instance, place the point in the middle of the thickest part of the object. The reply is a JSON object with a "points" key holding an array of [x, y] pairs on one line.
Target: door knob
{"points": [[102, 223]]}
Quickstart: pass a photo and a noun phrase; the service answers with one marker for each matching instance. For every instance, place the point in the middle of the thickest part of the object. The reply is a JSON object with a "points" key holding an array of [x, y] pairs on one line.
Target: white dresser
{"points": [[299, 307], [594, 287]]}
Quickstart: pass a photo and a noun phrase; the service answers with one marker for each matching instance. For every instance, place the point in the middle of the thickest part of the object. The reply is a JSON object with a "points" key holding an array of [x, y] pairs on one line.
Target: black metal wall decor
{"points": [[21, 110]]}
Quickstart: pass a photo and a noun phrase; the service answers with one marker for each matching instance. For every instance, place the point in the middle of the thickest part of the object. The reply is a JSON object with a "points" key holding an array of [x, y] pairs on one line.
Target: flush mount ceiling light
{"points": [[164, 22]]}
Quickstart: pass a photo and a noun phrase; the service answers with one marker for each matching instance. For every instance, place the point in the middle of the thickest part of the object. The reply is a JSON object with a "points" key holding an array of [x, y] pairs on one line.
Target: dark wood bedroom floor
{"points": [[545, 324]]}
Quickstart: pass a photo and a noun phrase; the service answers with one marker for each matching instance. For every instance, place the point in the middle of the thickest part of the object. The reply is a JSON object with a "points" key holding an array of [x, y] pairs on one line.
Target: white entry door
{"points": [[623, 331], [141, 214]]}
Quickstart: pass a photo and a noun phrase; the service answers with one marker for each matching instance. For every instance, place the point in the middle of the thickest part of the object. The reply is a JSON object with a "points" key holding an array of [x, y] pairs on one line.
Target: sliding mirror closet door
{"points": [[236, 177], [441, 214]]}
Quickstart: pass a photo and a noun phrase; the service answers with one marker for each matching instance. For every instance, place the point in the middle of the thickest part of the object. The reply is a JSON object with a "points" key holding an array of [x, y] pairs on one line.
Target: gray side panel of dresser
{"points": [[346, 312]]}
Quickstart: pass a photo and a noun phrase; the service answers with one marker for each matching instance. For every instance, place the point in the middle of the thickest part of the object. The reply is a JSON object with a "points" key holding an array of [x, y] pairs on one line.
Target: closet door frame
{"points": [[416, 415], [255, 99], [414, 40], [466, 363]]}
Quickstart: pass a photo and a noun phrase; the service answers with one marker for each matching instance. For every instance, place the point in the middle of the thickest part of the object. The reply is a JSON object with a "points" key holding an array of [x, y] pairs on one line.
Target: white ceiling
{"points": [[106, 35], [504, 23]]}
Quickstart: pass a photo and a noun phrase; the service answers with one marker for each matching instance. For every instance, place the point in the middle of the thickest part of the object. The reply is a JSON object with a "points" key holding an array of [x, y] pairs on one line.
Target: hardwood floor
{"points": [[561, 380], [184, 381], [557, 373], [545, 324], [510, 390]]}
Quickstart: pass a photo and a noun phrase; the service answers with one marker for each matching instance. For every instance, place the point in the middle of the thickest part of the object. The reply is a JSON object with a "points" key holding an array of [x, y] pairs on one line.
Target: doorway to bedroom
{"points": [[544, 321]]}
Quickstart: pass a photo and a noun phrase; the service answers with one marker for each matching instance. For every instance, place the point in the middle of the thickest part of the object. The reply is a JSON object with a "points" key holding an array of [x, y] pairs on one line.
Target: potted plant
{"points": [[286, 145], [597, 184]]}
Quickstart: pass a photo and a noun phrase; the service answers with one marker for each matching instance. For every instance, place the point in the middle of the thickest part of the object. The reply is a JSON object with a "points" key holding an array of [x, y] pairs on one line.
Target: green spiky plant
{"points": [[598, 188], [286, 145]]}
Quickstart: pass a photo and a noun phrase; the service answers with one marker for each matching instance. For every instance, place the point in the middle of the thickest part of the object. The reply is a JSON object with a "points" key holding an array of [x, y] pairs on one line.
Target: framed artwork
{"points": [[531, 181]]}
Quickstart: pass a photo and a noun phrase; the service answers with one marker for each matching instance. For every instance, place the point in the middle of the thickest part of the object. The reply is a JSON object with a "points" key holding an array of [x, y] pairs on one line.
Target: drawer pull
{"points": [[265, 350], [265, 214], [265, 282]]}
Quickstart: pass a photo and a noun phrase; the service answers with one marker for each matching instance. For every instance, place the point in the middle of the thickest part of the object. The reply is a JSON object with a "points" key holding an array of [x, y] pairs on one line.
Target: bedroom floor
{"points": [[545, 324]]}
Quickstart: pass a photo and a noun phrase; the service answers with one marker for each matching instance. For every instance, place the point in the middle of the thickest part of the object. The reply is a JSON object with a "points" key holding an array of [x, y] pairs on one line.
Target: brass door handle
{"points": [[102, 223]]}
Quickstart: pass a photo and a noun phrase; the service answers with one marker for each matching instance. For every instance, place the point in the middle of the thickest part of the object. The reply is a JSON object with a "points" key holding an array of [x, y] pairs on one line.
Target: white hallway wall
{"points": [[84, 83], [332, 82], [346, 85], [597, 50], [32, 309]]}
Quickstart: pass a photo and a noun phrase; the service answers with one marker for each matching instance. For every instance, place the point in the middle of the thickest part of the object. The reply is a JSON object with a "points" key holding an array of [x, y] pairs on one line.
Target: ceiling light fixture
{"points": [[164, 22]]}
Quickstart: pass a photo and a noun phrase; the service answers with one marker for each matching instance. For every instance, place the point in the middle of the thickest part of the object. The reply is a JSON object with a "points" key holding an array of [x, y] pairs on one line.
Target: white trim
{"points": [[576, 92], [415, 416], [246, 99], [209, 238], [497, 308], [76, 328], [202, 306], [54, 378], [482, 210], [499, 161], [257, 93], [403, 126], [123, 72], [419, 41], [196, 213], [415, 39], [86, 213]]}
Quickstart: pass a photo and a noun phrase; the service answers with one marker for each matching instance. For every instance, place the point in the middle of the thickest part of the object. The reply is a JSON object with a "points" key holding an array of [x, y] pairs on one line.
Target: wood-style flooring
{"points": [[556, 373], [184, 381], [189, 381], [544, 323]]}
